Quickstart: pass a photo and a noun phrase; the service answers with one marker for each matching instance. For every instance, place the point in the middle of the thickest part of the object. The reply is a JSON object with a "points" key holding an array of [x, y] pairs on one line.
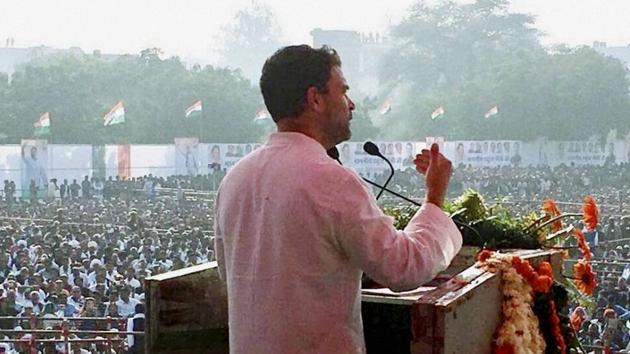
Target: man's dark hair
{"points": [[289, 72]]}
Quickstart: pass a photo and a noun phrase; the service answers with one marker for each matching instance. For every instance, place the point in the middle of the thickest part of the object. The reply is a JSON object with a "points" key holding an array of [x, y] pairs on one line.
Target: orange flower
{"points": [[551, 209], [484, 255], [544, 268], [584, 277], [542, 284], [586, 250], [590, 213]]}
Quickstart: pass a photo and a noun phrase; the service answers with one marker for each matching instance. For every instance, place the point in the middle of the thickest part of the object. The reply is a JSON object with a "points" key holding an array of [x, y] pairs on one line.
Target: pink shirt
{"points": [[294, 231]]}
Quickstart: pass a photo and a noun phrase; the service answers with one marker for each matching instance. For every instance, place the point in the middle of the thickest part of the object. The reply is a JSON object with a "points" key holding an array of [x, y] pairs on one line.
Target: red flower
{"points": [[484, 255], [504, 349], [551, 209], [590, 213], [584, 277]]}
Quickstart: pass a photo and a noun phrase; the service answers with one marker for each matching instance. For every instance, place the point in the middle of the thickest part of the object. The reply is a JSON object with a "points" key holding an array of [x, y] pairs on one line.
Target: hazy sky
{"points": [[190, 28]]}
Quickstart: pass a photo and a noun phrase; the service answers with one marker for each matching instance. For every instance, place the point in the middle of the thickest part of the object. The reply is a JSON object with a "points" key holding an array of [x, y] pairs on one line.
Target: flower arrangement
{"points": [[527, 291], [530, 319], [534, 316]]}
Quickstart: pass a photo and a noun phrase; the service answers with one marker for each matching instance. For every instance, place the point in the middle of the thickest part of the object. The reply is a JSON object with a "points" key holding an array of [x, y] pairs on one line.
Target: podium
{"points": [[186, 312], [457, 312]]}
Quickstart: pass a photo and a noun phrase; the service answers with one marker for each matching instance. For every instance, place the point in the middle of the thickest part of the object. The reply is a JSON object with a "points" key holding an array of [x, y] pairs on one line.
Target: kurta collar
{"points": [[304, 141]]}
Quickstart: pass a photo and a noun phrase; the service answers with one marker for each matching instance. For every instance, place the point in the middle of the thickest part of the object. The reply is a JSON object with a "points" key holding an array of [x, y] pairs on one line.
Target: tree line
{"points": [[465, 58]]}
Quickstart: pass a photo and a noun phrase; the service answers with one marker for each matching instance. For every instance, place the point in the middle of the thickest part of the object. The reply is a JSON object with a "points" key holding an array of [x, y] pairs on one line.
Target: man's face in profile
{"points": [[34, 153]]}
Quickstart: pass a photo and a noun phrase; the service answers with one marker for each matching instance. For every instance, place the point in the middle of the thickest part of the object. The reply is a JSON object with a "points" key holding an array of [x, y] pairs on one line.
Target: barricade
{"points": [[111, 339]]}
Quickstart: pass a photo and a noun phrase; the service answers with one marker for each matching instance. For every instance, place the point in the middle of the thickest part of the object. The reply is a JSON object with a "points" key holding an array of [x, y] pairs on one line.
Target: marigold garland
{"points": [[551, 209], [544, 268], [504, 349], [540, 283], [555, 327], [484, 255], [519, 331]]}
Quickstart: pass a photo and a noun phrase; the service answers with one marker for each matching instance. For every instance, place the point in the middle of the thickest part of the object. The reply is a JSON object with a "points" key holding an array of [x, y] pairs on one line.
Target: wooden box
{"points": [[187, 312]]}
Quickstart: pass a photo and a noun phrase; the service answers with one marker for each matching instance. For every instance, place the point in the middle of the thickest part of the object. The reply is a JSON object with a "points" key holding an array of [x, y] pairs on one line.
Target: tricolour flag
{"points": [[261, 115], [42, 126], [194, 110], [437, 113], [493, 111], [386, 107], [116, 115]]}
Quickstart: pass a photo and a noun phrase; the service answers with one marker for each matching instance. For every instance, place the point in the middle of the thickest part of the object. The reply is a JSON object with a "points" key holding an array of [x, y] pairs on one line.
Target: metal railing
{"points": [[113, 339]]}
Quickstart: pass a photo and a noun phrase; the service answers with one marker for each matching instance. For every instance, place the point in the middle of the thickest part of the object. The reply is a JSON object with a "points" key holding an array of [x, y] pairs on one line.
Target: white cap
{"points": [[134, 283], [95, 262]]}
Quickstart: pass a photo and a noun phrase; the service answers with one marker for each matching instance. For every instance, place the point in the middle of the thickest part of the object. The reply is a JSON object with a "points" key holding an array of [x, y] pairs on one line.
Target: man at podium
{"points": [[295, 230]]}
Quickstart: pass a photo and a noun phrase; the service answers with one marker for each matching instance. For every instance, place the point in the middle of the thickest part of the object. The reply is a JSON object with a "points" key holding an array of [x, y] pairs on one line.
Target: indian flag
{"points": [[261, 115], [386, 107], [42, 126], [437, 113], [493, 111], [194, 110], [115, 116]]}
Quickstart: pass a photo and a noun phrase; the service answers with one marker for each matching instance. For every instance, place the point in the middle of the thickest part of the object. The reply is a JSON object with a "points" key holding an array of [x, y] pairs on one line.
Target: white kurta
{"points": [[294, 231]]}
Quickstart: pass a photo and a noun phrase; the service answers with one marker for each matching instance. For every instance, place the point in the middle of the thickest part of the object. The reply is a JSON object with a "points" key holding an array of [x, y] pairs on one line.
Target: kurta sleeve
{"points": [[219, 251], [401, 260]]}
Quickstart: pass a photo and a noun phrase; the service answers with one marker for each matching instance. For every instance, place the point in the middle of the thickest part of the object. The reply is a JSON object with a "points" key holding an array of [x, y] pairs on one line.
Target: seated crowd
{"points": [[86, 252], [88, 257]]}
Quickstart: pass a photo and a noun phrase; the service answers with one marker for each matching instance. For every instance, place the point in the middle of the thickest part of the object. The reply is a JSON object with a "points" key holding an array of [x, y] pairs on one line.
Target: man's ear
{"points": [[314, 100]]}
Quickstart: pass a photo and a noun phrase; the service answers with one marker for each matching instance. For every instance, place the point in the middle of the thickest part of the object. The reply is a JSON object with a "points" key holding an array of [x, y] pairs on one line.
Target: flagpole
{"points": [[52, 160], [201, 126]]}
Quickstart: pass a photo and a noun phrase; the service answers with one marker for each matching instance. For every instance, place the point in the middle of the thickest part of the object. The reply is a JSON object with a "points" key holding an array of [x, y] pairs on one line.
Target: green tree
{"points": [[469, 57], [78, 91]]}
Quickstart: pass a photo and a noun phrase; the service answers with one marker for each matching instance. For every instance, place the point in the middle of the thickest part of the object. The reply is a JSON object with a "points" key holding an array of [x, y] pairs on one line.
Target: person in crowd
{"points": [[86, 188], [135, 324]]}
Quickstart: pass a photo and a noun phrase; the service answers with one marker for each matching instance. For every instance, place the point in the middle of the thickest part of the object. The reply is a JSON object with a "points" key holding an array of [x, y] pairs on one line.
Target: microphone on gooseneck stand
{"points": [[333, 153], [373, 150]]}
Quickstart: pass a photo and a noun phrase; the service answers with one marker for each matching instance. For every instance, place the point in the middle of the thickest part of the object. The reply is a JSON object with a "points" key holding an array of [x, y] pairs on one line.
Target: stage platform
{"points": [[457, 312]]}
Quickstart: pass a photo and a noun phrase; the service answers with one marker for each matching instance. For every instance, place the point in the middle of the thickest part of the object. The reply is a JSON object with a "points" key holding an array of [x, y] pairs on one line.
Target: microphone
{"points": [[333, 153], [373, 150]]}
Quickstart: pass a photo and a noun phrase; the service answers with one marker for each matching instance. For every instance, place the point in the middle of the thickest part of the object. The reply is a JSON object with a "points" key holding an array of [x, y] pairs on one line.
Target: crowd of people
{"points": [[523, 188], [85, 250], [87, 255]]}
